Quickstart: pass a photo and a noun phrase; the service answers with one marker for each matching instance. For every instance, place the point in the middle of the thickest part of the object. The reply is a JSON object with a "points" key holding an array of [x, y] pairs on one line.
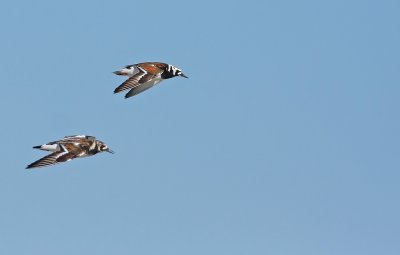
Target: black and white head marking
{"points": [[103, 147], [174, 71]]}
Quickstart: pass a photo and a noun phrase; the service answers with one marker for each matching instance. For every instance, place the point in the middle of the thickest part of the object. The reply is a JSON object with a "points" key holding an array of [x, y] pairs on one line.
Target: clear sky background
{"points": [[284, 141]]}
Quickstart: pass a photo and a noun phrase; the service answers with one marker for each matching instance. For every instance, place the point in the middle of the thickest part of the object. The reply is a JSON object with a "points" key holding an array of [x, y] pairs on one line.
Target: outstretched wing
{"points": [[142, 87], [147, 72], [54, 158], [133, 81]]}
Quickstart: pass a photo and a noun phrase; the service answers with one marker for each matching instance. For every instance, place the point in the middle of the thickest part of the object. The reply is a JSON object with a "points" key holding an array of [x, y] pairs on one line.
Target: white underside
{"points": [[153, 82], [51, 147]]}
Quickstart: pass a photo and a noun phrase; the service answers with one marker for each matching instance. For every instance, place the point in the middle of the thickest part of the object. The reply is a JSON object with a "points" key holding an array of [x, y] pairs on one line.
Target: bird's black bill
{"points": [[184, 76], [110, 151]]}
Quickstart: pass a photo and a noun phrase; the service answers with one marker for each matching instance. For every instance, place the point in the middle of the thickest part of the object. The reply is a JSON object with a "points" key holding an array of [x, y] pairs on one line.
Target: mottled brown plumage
{"points": [[69, 148], [143, 76]]}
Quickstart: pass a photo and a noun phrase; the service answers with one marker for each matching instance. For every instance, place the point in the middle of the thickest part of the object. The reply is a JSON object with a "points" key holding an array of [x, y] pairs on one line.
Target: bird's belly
{"points": [[150, 84], [154, 82]]}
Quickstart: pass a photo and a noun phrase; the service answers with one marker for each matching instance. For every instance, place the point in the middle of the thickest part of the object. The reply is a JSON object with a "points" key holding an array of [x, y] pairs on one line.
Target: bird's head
{"points": [[103, 147], [176, 71]]}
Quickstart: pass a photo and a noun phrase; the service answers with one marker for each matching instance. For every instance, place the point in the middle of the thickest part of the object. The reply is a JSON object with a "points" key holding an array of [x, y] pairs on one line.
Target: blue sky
{"points": [[285, 139]]}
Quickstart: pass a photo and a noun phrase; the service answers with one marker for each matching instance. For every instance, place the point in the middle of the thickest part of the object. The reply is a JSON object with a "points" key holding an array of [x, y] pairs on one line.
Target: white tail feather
{"points": [[49, 147]]}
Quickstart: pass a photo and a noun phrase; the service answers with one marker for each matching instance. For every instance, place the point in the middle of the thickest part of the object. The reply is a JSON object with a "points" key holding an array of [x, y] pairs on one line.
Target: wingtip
{"points": [[117, 90]]}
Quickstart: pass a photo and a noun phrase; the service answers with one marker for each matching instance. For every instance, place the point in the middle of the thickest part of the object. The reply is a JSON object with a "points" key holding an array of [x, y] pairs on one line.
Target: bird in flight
{"points": [[143, 76], [70, 147]]}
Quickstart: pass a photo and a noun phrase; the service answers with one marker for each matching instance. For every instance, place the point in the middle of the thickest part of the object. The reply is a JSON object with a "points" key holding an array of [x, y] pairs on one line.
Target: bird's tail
{"points": [[47, 147]]}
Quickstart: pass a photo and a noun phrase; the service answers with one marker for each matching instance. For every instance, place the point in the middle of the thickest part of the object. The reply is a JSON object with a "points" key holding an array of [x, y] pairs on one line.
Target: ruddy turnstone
{"points": [[71, 147], [143, 76]]}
